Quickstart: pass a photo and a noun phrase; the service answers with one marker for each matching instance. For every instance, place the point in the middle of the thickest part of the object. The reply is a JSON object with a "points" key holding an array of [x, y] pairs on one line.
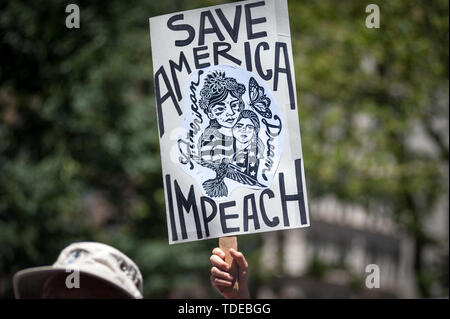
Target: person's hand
{"points": [[222, 280]]}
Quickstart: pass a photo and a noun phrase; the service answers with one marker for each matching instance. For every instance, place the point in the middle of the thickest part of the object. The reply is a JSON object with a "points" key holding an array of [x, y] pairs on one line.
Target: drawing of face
{"points": [[243, 130], [226, 112]]}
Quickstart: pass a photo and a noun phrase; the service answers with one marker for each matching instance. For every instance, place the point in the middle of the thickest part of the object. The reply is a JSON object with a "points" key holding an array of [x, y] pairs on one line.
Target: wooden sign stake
{"points": [[225, 243]]}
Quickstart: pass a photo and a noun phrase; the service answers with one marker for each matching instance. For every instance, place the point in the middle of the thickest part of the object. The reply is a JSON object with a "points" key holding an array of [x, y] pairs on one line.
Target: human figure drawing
{"points": [[230, 145]]}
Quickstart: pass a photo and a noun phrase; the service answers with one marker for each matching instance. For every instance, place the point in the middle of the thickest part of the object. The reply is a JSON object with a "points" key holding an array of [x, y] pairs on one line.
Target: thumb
{"points": [[241, 262]]}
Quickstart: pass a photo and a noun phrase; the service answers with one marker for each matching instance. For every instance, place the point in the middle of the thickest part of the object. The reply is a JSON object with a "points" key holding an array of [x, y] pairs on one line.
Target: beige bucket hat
{"points": [[94, 259]]}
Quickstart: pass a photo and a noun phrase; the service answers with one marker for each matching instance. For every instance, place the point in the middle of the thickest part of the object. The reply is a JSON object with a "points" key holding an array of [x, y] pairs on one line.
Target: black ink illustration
{"points": [[258, 100], [248, 147], [216, 187], [229, 144]]}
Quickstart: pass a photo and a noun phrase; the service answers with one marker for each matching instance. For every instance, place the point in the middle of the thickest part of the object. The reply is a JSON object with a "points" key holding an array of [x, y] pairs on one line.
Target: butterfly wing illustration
{"points": [[258, 99]]}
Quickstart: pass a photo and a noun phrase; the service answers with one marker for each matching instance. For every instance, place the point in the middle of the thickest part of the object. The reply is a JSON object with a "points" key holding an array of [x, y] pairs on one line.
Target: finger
{"points": [[219, 252], [217, 282], [240, 259], [219, 263], [221, 274]]}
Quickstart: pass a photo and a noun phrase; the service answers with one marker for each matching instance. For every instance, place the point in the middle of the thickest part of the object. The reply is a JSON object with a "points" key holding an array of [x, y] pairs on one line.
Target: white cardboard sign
{"points": [[228, 123]]}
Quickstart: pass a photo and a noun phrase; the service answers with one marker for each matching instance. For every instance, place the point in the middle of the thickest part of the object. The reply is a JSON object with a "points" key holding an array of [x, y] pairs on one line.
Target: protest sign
{"points": [[228, 124]]}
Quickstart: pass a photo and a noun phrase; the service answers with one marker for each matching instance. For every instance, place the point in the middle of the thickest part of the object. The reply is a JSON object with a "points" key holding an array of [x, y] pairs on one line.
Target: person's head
{"points": [[90, 287], [221, 98], [82, 270], [246, 127]]}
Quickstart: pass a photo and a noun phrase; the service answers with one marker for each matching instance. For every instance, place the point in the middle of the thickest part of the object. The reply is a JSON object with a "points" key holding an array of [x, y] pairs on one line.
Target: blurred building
{"points": [[329, 259]]}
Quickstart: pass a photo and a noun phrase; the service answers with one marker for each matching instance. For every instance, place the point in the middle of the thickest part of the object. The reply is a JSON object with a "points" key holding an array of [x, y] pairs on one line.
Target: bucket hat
{"points": [[93, 259]]}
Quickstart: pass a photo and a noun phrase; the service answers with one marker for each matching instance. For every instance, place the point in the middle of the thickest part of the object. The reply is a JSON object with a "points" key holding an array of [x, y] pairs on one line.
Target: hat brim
{"points": [[29, 283]]}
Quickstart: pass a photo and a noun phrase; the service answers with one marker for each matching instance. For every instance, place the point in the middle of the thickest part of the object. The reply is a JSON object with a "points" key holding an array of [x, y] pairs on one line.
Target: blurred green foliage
{"points": [[77, 117]]}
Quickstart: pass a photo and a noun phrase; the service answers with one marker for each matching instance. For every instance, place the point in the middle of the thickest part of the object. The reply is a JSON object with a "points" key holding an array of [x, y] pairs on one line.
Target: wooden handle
{"points": [[225, 243]]}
